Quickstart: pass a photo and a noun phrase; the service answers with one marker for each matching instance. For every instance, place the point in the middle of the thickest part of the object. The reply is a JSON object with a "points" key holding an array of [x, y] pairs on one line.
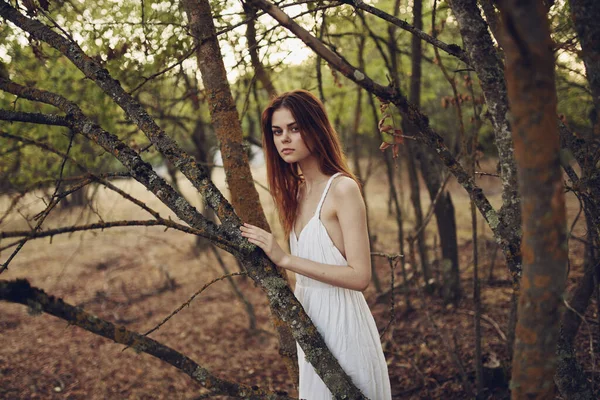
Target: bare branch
{"points": [[56, 198], [99, 225], [452, 49], [187, 303], [35, 118]]}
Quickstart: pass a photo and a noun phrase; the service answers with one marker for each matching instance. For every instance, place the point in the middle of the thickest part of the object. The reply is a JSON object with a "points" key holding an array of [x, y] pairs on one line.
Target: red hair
{"points": [[320, 138]]}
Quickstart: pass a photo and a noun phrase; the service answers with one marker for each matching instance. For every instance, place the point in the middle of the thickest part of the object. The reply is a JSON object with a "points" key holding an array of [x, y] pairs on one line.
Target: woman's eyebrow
{"points": [[290, 124]]}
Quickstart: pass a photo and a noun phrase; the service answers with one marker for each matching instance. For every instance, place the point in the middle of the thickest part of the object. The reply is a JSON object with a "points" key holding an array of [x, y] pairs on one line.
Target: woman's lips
{"points": [[287, 151]]}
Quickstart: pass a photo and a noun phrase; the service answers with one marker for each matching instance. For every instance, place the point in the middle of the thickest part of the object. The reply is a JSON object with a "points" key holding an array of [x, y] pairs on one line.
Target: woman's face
{"points": [[287, 138]]}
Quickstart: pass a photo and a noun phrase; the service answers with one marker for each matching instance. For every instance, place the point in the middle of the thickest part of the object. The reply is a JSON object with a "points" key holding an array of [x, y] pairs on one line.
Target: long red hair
{"points": [[320, 138]]}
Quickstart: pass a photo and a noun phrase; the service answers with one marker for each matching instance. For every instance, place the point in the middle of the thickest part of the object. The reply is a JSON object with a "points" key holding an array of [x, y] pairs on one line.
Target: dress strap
{"points": [[318, 211]]}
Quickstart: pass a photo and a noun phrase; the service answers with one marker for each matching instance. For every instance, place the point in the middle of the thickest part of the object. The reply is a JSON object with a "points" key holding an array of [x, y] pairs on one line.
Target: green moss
{"points": [[492, 217]]}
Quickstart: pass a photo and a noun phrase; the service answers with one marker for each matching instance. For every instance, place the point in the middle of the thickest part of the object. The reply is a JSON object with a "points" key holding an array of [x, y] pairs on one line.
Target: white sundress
{"points": [[341, 316]]}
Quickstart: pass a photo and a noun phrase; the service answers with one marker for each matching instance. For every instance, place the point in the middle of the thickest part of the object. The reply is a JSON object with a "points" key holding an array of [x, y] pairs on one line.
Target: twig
{"points": [[487, 319], [451, 49], [386, 255], [486, 174], [100, 225], [432, 206], [55, 199], [187, 303]]}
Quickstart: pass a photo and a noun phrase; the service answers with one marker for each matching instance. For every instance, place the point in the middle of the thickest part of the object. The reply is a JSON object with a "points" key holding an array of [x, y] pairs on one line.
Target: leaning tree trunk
{"points": [[532, 96], [228, 129]]}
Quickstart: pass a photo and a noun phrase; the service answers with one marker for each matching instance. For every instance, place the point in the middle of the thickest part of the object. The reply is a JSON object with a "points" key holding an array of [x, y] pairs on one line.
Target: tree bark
{"points": [[414, 96], [228, 130], [532, 95]]}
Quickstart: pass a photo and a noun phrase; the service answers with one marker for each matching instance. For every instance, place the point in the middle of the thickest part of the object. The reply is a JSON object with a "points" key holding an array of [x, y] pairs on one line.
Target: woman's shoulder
{"points": [[343, 187]]}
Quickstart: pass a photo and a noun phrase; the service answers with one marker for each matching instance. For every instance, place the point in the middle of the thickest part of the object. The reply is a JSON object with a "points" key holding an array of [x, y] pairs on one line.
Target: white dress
{"points": [[341, 316]]}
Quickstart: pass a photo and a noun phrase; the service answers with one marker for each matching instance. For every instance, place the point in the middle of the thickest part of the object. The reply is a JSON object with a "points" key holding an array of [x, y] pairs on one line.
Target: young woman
{"points": [[323, 214]]}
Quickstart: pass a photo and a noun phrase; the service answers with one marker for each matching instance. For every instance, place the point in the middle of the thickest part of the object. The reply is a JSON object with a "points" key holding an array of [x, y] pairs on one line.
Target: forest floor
{"points": [[137, 276]]}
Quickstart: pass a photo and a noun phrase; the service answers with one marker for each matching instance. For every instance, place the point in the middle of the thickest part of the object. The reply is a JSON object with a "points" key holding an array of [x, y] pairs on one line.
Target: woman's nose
{"points": [[285, 137]]}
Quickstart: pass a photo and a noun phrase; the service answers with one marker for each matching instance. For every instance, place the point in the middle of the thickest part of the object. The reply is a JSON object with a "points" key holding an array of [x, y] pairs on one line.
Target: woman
{"points": [[323, 214]]}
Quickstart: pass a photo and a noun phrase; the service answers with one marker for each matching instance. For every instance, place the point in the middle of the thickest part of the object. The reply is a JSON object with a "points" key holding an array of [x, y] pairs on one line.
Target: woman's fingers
{"points": [[254, 235]]}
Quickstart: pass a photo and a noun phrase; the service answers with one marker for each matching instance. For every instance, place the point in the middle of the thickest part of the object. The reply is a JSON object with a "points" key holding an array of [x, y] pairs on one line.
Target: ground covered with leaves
{"points": [[137, 276]]}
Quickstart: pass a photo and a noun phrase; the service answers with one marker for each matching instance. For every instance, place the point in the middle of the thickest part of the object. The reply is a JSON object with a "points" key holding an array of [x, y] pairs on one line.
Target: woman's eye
{"points": [[295, 129], [276, 132]]}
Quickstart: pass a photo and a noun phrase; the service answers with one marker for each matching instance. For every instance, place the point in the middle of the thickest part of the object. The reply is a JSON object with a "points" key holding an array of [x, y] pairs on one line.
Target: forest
{"points": [[131, 153]]}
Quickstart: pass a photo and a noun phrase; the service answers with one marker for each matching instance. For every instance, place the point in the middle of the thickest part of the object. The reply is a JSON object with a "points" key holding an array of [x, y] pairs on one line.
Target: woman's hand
{"points": [[265, 241]]}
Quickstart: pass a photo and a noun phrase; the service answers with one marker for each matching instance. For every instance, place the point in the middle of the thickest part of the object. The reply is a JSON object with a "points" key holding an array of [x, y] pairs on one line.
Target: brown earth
{"points": [[137, 276]]}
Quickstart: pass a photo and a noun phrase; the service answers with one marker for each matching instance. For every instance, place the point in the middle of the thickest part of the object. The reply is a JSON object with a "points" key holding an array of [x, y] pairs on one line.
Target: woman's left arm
{"points": [[351, 214]]}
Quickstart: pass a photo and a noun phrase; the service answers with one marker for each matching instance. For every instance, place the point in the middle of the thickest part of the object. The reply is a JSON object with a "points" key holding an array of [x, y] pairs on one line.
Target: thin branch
{"points": [[431, 207], [487, 319], [452, 49], [56, 198], [100, 225], [34, 118], [96, 178], [187, 303]]}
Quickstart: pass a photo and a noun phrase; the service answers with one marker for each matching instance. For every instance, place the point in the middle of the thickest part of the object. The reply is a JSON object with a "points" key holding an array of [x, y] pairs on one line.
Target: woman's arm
{"points": [[351, 214]]}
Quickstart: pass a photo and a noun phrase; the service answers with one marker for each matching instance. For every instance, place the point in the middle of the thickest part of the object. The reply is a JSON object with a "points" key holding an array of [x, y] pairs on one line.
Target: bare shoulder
{"points": [[346, 188]]}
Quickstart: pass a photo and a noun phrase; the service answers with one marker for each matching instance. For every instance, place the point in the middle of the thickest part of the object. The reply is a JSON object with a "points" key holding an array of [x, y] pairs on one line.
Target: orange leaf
{"points": [[396, 150], [384, 145], [398, 138], [386, 128], [382, 120]]}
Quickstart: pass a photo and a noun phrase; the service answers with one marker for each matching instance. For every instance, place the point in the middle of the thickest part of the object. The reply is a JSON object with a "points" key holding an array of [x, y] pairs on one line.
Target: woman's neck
{"points": [[313, 176]]}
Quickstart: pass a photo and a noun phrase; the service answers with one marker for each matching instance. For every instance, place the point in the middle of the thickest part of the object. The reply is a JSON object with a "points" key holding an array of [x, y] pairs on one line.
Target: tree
{"points": [[532, 94]]}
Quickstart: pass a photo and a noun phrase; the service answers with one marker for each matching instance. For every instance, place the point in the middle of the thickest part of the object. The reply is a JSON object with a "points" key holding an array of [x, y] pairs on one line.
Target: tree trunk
{"points": [[203, 155], [259, 69], [224, 116], [415, 97], [532, 95], [446, 222]]}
